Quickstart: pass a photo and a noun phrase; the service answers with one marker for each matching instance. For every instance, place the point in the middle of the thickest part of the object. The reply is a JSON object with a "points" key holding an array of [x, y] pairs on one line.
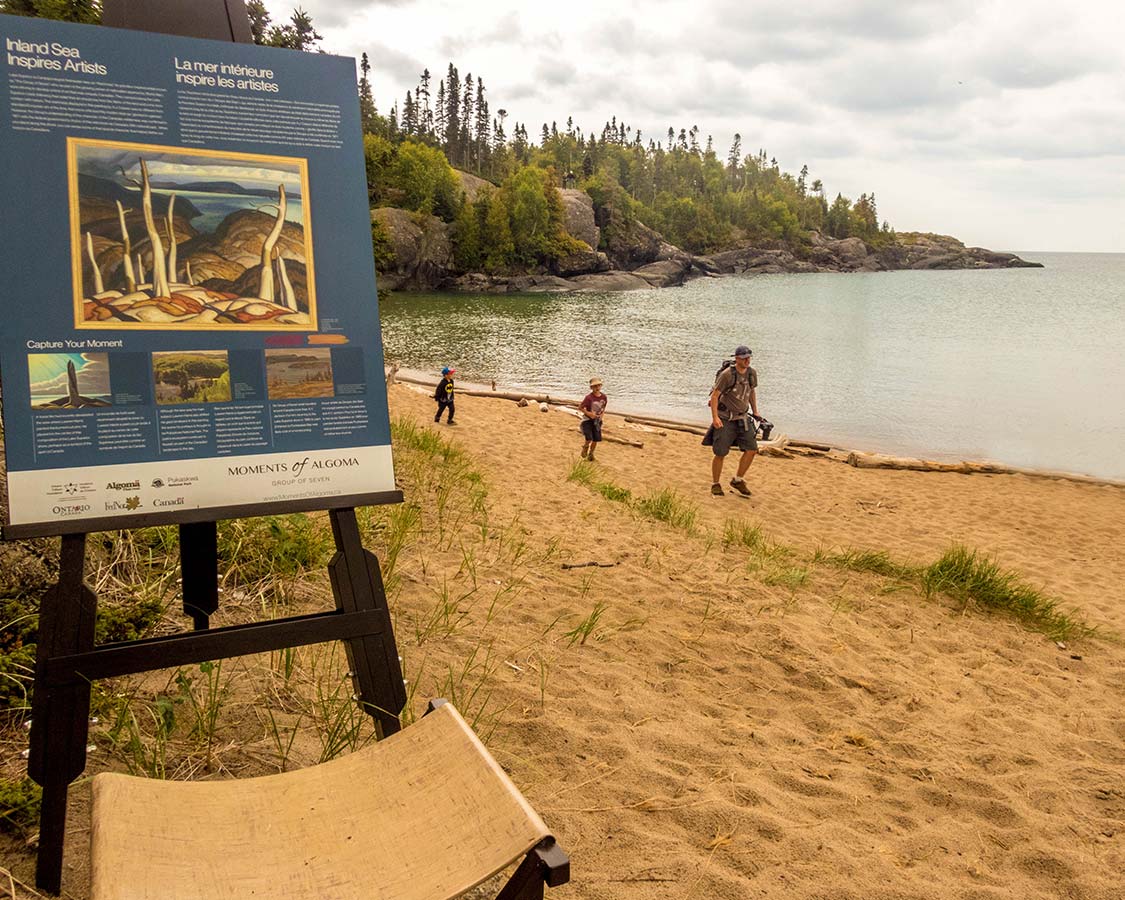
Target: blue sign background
{"points": [[35, 233]]}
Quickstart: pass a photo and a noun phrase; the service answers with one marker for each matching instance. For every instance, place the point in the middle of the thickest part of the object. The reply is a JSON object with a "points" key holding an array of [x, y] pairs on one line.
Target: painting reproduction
{"points": [[179, 239], [68, 380]]}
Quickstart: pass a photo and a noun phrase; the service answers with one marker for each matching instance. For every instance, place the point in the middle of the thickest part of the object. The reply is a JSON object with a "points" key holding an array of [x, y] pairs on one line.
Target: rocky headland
{"points": [[618, 255]]}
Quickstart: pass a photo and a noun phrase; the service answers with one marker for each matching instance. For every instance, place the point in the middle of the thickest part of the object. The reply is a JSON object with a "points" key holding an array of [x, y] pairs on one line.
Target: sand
{"points": [[732, 729], [840, 740]]}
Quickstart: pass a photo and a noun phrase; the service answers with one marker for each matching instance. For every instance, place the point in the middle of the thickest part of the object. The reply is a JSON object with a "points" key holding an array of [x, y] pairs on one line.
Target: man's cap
{"points": [[595, 380], [448, 370], [743, 350]]}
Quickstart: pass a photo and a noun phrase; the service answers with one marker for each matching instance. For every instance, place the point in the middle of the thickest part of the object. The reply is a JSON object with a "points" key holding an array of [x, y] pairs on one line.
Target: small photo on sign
{"points": [[293, 374], [68, 380], [200, 376], [178, 238]]}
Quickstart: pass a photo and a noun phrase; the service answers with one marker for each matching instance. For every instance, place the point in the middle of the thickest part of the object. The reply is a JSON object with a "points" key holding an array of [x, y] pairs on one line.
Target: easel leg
{"points": [[373, 659], [60, 713], [199, 571]]}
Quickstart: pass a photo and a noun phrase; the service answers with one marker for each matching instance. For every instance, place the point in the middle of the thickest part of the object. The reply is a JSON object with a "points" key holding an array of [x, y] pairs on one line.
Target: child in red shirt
{"points": [[592, 407]]}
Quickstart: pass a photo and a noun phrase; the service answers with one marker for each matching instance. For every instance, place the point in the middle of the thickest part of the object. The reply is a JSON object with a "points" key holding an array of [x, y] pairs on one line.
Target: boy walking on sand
{"points": [[592, 407], [734, 395], [443, 394]]}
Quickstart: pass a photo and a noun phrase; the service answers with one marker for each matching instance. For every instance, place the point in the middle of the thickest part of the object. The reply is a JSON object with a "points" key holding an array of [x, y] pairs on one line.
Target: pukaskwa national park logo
{"points": [[175, 238]]}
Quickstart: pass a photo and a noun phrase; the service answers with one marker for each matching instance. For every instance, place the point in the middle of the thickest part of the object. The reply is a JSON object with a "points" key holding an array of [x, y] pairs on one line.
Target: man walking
{"points": [[734, 395], [443, 394]]}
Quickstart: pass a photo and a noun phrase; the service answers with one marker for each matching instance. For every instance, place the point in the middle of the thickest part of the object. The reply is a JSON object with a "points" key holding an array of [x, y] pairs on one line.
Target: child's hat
{"points": [[448, 370], [595, 381]]}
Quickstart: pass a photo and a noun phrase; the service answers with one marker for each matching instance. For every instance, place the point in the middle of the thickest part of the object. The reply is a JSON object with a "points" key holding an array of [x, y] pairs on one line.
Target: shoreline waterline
{"points": [[496, 391]]}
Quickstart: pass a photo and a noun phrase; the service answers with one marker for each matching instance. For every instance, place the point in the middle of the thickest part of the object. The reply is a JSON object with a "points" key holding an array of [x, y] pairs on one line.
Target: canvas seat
{"points": [[426, 813]]}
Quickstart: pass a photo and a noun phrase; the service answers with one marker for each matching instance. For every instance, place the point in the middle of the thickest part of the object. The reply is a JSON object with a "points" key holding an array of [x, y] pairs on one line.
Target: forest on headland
{"points": [[678, 184]]}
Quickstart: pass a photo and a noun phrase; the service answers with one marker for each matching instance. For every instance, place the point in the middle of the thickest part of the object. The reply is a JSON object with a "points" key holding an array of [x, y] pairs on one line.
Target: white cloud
{"points": [[904, 99]]}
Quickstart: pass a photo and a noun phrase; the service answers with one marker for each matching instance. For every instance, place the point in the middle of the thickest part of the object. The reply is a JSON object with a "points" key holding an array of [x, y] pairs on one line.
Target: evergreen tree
{"points": [[86, 12], [483, 136], [440, 116], [367, 111], [453, 112], [425, 112], [260, 20], [465, 136], [409, 115]]}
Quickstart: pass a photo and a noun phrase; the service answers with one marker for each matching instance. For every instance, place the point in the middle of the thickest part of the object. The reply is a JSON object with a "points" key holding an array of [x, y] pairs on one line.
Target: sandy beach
{"points": [[837, 739], [711, 718]]}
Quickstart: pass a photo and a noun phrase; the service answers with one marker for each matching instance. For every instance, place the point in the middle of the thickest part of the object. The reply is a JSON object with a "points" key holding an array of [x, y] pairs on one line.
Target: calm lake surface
{"points": [[1023, 366]]}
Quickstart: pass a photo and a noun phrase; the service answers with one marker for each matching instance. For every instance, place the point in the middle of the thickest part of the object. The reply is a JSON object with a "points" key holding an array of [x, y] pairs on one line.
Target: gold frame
{"points": [[72, 145]]}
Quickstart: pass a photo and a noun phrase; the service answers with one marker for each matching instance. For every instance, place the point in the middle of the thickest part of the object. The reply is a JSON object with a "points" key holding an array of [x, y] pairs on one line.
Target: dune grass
{"points": [[661, 506], [973, 578], [668, 506], [968, 576], [877, 562]]}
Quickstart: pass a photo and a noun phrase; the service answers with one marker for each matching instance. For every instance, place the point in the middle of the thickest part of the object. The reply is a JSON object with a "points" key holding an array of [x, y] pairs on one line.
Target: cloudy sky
{"points": [[1002, 122]]}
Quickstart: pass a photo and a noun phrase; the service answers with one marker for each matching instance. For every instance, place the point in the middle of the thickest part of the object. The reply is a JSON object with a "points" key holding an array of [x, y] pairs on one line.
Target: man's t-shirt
{"points": [[734, 392], [595, 404]]}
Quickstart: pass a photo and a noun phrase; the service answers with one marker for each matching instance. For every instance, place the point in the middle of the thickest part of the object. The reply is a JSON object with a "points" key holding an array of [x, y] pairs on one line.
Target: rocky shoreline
{"points": [[636, 257]]}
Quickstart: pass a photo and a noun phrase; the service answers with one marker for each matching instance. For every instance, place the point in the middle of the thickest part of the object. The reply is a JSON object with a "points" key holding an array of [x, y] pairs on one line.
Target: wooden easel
{"points": [[67, 659]]}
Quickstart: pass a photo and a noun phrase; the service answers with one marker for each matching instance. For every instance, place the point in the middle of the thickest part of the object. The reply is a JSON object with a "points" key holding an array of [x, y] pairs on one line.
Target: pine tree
{"points": [[453, 112], [425, 112], [440, 117], [483, 136], [465, 136], [367, 111], [86, 12], [409, 115]]}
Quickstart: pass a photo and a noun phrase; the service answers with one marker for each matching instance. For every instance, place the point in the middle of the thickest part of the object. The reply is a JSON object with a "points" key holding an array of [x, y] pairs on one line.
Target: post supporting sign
{"points": [[191, 334]]}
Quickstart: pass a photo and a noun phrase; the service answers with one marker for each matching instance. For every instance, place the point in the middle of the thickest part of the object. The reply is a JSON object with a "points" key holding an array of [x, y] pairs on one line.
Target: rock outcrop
{"points": [[580, 221], [633, 256], [471, 185], [915, 250], [422, 247]]}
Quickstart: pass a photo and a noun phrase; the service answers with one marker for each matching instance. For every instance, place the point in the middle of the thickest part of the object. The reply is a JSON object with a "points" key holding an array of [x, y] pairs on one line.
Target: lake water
{"points": [[1022, 366], [213, 207]]}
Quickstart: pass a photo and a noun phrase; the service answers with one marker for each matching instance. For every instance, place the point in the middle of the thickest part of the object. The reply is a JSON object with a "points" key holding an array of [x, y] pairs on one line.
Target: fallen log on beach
{"points": [[664, 423]]}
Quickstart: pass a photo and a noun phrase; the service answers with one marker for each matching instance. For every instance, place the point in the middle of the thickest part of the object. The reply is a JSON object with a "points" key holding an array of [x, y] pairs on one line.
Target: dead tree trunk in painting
{"points": [[171, 240], [98, 286], [159, 271], [265, 285], [126, 252], [288, 295]]}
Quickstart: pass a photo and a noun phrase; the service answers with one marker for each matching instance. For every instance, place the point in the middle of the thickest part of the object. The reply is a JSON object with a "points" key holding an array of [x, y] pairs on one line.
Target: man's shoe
{"points": [[740, 486], [450, 422], [717, 490]]}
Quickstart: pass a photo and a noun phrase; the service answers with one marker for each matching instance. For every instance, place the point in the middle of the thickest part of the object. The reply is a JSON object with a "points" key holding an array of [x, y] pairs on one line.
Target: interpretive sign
{"points": [[190, 320]]}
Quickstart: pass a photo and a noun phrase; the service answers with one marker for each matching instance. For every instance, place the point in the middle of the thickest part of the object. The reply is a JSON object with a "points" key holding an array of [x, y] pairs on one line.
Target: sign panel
{"points": [[190, 323]]}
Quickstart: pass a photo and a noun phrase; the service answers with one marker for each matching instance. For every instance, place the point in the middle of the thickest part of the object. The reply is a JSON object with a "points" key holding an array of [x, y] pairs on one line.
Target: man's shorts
{"points": [[591, 429], [734, 433]]}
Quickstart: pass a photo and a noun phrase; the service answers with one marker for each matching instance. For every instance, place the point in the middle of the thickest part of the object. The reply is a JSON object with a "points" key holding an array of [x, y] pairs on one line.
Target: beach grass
{"points": [[975, 579], [667, 506], [877, 562]]}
